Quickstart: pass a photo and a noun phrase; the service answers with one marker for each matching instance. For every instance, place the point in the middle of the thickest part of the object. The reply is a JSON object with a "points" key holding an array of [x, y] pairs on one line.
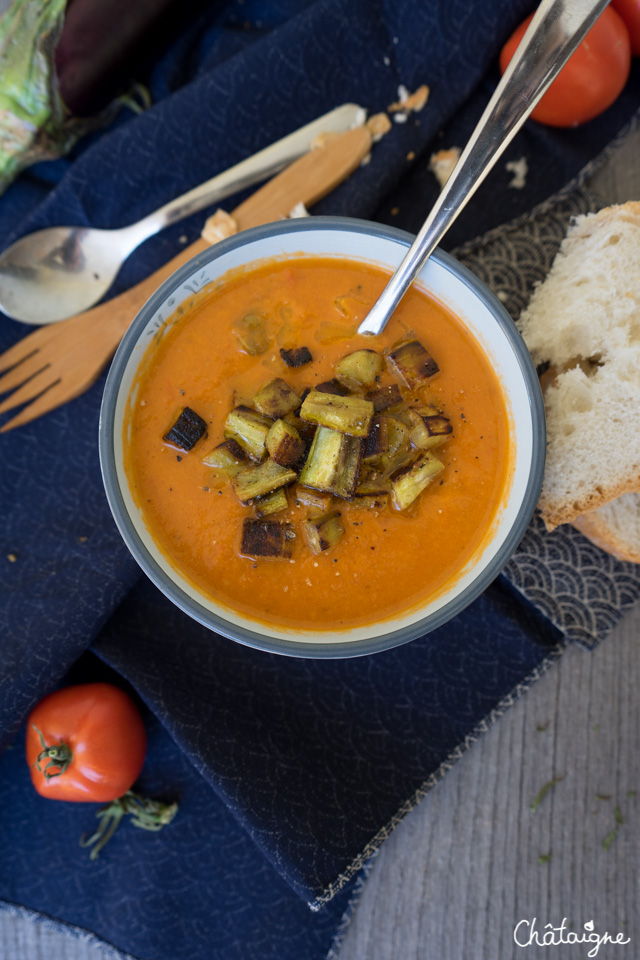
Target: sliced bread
{"points": [[615, 527], [584, 320]]}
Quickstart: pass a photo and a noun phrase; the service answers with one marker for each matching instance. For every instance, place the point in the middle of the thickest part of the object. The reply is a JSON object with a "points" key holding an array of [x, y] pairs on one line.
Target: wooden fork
{"points": [[58, 362]]}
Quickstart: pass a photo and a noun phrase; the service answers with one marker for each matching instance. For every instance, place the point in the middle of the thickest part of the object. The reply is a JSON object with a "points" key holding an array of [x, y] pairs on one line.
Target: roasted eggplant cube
{"points": [[266, 538], [372, 482], [271, 503], [377, 443], [260, 479], [362, 366], [296, 357], [284, 443], [408, 482], [276, 399], [305, 430], [333, 387], [428, 427], [385, 398], [249, 429], [439, 426], [409, 359], [351, 415], [228, 458], [399, 438], [322, 533], [314, 500], [251, 334], [333, 463], [370, 501], [187, 430]]}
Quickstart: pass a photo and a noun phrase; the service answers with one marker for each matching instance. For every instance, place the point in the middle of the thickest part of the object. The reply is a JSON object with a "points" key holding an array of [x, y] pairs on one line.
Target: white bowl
{"points": [[450, 283]]}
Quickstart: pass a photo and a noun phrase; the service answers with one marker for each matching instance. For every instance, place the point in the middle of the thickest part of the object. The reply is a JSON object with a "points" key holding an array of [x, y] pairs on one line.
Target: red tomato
{"points": [[592, 78], [629, 10], [85, 743]]}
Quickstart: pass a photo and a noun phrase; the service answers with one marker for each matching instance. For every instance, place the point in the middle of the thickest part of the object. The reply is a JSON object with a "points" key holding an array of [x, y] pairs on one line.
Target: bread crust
{"points": [[603, 528], [554, 516]]}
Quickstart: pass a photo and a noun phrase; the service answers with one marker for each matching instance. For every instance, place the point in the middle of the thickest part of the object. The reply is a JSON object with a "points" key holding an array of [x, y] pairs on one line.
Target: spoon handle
{"points": [[261, 166], [59, 361], [556, 30]]}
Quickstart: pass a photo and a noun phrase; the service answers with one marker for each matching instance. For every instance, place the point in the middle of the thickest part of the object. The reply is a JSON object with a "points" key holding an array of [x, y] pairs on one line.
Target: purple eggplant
{"points": [[63, 66]]}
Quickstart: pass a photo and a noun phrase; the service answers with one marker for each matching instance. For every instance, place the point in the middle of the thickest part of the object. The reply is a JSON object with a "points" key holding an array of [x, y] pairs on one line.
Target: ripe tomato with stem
{"points": [[85, 743]]}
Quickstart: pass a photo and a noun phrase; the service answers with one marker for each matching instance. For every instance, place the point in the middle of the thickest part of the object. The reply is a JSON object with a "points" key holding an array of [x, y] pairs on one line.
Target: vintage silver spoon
{"points": [[59, 272], [554, 33]]}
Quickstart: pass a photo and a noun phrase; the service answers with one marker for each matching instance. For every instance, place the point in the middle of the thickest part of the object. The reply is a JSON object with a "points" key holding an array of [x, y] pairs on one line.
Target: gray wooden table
{"points": [[474, 861]]}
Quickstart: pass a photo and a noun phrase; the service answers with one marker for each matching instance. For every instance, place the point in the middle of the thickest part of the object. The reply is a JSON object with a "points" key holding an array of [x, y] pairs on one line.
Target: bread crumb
{"points": [[519, 169], [298, 211], [395, 211], [411, 156], [410, 102], [442, 162], [378, 125], [418, 99], [11, 557], [218, 226]]}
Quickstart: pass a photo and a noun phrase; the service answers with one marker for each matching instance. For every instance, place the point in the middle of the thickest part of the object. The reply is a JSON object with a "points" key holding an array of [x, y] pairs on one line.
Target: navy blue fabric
{"points": [[199, 889], [313, 757], [285, 769]]}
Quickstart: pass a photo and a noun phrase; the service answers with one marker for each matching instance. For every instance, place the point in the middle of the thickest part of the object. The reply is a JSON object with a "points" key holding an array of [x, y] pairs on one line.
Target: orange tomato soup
{"points": [[388, 561]]}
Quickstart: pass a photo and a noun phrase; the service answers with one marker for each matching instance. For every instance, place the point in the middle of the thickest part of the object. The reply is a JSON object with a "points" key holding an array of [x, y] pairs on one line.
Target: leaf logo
{"points": [[589, 925]]}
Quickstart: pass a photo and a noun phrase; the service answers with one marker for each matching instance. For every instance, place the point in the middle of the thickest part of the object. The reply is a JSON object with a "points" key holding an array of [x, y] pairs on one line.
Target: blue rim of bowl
{"points": [[309, 648]]}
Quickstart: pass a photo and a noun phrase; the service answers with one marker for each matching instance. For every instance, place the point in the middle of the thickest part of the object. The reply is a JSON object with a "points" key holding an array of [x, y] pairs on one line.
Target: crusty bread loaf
{"points": [[584, 319], [615, 527]]}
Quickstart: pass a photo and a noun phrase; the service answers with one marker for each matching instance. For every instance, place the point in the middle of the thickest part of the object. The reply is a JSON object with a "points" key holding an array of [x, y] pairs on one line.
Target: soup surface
{"points": [[386, 561]]}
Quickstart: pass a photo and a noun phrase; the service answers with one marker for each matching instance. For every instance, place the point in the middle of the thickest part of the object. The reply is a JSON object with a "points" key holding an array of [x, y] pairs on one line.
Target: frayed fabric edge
{"points": [[108, 951], [362, 859]]}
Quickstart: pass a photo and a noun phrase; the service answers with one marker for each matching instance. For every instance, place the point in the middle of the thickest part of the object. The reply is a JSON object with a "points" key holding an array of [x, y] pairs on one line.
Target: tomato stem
{"points": [[144, 813], [58, 754]]}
